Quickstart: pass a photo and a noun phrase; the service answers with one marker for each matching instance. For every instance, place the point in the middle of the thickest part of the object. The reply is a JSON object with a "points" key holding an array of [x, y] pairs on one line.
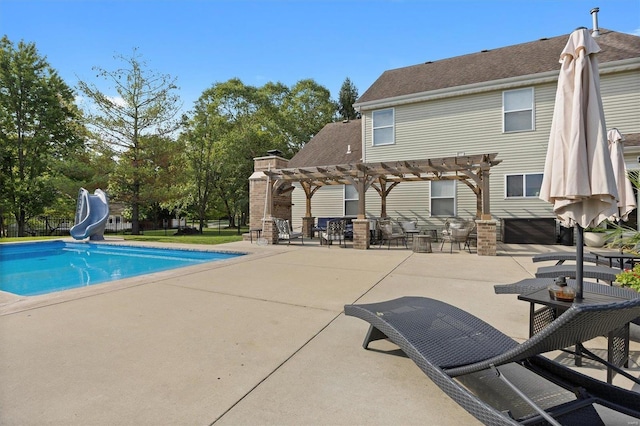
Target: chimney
{"points": [[594, 15]]}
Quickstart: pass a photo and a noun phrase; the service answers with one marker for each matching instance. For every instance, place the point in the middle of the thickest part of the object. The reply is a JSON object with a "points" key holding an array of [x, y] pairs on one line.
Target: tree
{"points": [[146, 107], [347, 97], [39, 125], [306, 109], [233, 123]]}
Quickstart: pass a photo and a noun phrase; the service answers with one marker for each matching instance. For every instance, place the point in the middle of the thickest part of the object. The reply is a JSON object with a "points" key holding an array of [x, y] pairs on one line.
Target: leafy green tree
{"points": [[346, 98], [39, 126], [233, 123], [307, 107], [146, 106]]}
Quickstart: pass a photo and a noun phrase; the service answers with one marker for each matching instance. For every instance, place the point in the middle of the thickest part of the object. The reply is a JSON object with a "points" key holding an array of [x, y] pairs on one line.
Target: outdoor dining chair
{"points": [[457, 232], [390, 233], [335, 232]]}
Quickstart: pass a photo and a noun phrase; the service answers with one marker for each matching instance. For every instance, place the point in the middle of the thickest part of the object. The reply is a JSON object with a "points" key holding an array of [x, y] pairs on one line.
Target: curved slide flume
{"points": [[92, 213]]}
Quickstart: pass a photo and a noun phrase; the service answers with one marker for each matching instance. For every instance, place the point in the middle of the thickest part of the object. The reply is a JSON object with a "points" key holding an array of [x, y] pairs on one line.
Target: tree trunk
{"points": [[21, 223], [135, 226]]}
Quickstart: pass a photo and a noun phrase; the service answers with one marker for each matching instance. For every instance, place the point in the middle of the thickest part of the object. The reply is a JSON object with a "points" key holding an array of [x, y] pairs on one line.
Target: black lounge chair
{"points": [[496, 379], [603, 273], [561, 256]]}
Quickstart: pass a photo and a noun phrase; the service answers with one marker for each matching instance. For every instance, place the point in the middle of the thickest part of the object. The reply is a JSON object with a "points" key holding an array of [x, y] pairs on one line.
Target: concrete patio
{"points": [[259, 340]]}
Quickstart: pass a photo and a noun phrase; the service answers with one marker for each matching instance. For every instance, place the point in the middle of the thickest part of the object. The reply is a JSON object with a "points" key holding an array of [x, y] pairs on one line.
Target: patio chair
{"points": [[335, 232], [409, 227], [285, 231], [496, 379], [390, 233], [457, 232]]}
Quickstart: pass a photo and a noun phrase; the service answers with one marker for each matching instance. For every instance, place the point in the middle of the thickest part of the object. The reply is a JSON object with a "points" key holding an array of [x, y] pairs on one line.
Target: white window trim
{"points": [[532, 109], [455, 200], [345, 199], [392, 126], [524, 186]]}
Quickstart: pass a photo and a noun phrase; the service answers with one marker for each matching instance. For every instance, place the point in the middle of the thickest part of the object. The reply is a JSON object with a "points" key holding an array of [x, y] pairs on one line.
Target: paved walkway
{"points": [[256, 340]]}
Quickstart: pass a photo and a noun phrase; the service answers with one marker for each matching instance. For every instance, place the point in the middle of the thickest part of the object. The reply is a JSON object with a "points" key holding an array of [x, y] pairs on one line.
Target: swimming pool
{"points": [[29, 269]]}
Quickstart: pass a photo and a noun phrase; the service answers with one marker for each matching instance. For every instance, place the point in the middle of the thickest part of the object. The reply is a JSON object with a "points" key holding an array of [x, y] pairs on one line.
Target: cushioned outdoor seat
{"points": [[286, 233], [496, 379], [334, 232]]}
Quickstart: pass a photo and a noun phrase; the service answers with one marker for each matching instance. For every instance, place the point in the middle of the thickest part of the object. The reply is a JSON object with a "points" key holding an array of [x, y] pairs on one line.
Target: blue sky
{"points": [[203, 42]]}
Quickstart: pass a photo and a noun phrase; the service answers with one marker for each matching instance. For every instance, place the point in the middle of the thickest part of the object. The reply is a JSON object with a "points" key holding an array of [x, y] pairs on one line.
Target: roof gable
{"points": [[336, 143], [490, 65]]}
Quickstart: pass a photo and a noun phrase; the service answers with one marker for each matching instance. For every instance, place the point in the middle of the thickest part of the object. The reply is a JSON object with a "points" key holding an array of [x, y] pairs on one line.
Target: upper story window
{"points": [[383, 127], [523, 185], [443, 198], [350, 200], [518, 111]]}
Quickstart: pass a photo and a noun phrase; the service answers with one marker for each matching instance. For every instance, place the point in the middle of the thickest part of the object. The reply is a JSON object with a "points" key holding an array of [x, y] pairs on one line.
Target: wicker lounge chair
{"points": [[561, 256], [496, 379], [603, 273]]}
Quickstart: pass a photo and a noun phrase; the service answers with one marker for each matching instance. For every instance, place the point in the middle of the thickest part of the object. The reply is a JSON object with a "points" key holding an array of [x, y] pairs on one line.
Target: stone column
{"points": [[487, 239], [307, 226], [270, 231], [361, 236], [257, 191]]}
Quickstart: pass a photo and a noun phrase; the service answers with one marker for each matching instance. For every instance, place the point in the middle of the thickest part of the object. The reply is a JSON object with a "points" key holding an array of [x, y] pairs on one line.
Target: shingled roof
{"points": [[489, 65], [331, 145]]}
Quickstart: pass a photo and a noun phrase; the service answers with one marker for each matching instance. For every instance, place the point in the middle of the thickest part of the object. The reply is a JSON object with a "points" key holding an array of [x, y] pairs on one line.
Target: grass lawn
{"points": [[210, 236]]}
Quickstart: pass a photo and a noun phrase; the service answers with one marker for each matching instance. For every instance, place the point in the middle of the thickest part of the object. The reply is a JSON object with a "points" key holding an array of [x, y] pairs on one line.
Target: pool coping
{"points": [[11, 303]]}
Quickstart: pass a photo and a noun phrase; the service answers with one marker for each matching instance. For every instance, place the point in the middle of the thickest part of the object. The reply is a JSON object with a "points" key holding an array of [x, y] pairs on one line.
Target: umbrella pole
{"points": [[579, 260]]}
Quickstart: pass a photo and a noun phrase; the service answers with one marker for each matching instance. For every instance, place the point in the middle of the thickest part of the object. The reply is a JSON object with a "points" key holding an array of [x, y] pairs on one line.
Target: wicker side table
{"points": [[422, 244]]}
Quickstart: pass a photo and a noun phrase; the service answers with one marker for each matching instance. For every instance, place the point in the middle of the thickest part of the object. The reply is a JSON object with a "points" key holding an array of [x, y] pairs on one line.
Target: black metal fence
{"points": [[38, 226]]}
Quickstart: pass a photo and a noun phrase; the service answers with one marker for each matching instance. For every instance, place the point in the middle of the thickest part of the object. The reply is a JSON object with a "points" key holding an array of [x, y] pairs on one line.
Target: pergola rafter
{"points": [[472, 170]]}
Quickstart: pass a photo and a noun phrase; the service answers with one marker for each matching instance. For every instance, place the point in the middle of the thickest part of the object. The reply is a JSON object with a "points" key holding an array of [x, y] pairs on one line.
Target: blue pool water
{"points": [[28, 269]]}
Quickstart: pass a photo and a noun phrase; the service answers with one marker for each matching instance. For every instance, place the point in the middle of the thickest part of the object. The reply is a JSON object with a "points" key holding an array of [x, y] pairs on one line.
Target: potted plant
{"points": [[595, 236]]}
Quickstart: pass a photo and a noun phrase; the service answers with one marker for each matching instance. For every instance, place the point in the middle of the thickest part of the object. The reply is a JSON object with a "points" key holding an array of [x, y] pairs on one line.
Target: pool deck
{"points": [[260, 339]]}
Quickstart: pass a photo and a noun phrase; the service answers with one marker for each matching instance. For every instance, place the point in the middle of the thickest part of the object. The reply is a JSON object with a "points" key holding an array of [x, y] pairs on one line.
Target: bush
{"points": [[630, 278]]}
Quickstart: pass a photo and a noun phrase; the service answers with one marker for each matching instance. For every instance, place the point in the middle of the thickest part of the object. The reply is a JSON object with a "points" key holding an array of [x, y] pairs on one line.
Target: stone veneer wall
{"points": [[257, 193]]}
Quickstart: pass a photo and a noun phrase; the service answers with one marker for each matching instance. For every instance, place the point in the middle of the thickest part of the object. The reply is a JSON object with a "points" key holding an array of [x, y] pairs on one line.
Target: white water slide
{"points": [[92, 213]]}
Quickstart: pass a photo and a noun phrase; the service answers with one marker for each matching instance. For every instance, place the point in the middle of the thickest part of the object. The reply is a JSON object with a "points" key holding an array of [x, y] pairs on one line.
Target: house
{"points": [[494, 101]]}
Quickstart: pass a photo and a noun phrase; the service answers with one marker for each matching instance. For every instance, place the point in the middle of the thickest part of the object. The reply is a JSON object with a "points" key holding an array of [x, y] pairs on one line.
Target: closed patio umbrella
{"points": [[626, 198], [578, 176]]}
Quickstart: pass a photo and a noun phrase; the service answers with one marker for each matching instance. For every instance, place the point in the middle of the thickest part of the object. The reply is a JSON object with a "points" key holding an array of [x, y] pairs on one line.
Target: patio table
{"points": [[618, 340], [610, 255]]}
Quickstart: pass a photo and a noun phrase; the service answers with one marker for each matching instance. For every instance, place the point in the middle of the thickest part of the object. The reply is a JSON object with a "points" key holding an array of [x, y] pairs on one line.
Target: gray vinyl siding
{"points": [[328, 201], [621, 101], [472, 124]]}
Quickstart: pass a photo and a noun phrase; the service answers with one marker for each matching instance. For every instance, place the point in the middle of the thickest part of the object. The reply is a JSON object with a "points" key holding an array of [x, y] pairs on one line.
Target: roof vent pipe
{"points": [[348, 149], [594, 15]]}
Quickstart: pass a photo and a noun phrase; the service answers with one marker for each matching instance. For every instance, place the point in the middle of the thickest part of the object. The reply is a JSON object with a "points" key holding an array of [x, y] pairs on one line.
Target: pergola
{"points": [[472, 170]]}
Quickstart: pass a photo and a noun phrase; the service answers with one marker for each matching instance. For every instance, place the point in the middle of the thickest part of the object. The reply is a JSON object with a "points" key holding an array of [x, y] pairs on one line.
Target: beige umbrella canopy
{"points": [[578, 175], [626, 198]]}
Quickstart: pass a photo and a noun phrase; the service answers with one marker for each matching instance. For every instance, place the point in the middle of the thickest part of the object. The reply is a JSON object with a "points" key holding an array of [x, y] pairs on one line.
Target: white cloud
{"points": [[117, 100]]}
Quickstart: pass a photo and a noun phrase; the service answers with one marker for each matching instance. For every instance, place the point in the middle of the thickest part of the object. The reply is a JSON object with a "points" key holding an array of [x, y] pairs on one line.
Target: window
{"points": [[517, 106], [523, 185], [443, 198], [350, 200], [383, 127]]}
